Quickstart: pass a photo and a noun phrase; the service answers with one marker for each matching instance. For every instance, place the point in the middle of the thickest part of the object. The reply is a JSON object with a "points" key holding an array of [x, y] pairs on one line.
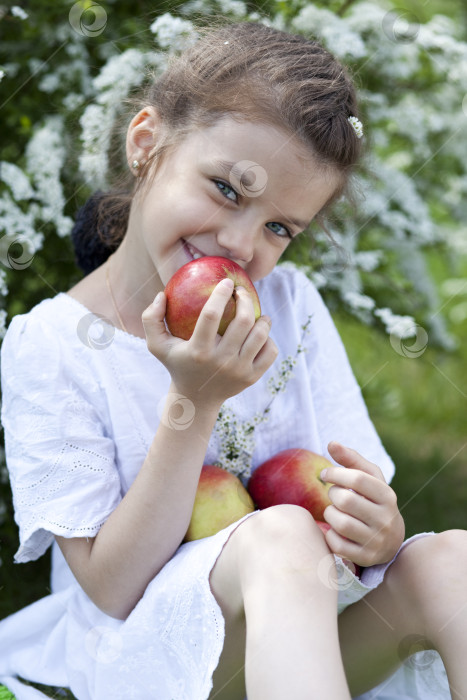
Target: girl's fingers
{"points": [[154, 325], [352, 503], [346, 548], [207, 325], [256, 339], [348, 526], [363, 484], [353, 460], [265, 357], [238, 330]]}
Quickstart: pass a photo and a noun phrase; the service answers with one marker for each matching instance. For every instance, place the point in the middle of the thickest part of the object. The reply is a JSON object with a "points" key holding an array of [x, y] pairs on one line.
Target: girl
{"points": [[235, 149]]}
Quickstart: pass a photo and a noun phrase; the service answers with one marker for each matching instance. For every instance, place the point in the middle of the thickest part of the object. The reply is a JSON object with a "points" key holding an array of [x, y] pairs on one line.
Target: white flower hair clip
{"points": [[357, 126]]}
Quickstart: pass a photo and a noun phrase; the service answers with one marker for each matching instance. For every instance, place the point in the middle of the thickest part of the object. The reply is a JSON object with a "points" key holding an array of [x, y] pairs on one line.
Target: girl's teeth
{"points": [[194, 253]]}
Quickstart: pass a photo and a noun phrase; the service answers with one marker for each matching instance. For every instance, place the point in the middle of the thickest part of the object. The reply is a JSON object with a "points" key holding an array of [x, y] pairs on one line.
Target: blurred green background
{"points": [[418, 404]]}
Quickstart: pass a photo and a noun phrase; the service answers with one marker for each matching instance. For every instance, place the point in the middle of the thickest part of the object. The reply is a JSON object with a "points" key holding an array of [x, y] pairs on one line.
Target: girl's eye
{"points": [[229, 192], [279, 229], [226, 190]]}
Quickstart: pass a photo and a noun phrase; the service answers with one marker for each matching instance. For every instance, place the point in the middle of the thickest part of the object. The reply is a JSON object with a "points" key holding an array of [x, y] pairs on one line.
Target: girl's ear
{"points": [[142, 134]]}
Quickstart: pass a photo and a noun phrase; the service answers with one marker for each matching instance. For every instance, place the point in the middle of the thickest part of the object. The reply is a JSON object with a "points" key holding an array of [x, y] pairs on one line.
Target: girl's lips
{"points": [[193, 252]]}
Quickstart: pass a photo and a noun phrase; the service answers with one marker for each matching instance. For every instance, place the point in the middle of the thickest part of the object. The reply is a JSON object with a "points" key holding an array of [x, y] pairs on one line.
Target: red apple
{"points": [[221, 499], [354, 568], [191, 286], [292, 476]]}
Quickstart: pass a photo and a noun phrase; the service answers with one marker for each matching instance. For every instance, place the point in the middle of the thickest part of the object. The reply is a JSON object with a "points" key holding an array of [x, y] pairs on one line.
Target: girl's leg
{"points": [[421, 604], [267, 579]]}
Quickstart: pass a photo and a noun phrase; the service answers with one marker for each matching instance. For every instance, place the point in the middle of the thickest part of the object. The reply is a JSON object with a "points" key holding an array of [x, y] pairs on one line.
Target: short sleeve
{"points": [[340, 409], [59, 454]]}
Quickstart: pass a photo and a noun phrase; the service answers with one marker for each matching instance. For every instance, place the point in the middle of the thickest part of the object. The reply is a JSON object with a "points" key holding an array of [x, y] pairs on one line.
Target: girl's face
{"points": [[241, 190]]}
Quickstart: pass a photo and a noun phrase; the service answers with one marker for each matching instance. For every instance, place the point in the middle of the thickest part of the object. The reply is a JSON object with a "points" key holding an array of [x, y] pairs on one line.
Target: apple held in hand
{"points": [[354, 568], [221, 499], [191, 286], [292, 476]]}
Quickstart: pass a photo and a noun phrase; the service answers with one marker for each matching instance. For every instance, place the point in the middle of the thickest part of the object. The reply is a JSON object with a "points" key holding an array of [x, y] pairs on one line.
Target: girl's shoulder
{"points": [[44, 334]]}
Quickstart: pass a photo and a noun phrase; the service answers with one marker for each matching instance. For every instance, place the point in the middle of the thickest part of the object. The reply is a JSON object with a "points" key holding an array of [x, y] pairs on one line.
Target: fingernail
{"points": [[227, 282], [333, 444], [267, 319], [157, 299], [322, 475]]}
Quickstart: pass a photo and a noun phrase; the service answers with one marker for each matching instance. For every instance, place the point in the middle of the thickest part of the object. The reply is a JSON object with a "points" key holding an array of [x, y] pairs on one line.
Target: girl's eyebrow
{"points": [[226, 168]]}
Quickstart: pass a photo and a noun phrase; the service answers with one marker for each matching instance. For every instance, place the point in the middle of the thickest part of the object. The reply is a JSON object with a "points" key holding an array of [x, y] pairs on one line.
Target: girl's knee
{"points": [[430, 567], [281, 538], [437, 555], [451, 545]]}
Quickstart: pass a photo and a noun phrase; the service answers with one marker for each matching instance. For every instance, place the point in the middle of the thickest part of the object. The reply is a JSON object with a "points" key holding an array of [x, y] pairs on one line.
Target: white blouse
{"points": [[79, 416]]}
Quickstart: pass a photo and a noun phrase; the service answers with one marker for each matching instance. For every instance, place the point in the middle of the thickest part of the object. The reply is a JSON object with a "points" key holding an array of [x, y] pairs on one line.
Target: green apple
{"points": [[221, 499]]}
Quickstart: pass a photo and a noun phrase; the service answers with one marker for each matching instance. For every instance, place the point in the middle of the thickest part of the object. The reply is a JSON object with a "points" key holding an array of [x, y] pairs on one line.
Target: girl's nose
{"points": [[238, 241]]}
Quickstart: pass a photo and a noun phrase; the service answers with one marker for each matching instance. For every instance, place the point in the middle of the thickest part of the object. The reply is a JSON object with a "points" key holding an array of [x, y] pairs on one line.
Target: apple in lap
{"points": [[292, 476], [221, 499]]}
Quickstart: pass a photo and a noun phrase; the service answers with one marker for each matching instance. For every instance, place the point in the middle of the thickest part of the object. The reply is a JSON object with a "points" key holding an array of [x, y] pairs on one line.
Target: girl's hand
{"points": [[366, 526], [209, 368]]}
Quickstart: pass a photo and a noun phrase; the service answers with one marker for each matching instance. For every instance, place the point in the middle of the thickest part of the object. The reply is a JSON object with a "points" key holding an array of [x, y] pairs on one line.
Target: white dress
{"points": [[79, 414]]}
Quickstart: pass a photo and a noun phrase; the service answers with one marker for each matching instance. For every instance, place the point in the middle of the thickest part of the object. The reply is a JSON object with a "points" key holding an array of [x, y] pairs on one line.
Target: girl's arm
{"points": [[366, 525], [149, 524]]}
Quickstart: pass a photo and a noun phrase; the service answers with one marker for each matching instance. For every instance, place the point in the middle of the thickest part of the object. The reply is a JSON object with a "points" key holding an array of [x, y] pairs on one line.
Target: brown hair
{"points": [[249, 71]]}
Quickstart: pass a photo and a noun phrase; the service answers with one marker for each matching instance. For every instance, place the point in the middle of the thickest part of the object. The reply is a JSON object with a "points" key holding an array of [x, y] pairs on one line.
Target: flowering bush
{"points": [[61, 106], [412, 82]]}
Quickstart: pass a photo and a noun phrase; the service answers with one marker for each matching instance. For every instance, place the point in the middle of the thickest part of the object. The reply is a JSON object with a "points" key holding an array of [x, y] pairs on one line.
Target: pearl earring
{"points": [[135, 165]]}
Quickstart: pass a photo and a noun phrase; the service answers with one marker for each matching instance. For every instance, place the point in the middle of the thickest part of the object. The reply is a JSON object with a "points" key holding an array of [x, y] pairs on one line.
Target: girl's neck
{"points": [[131, 285]]}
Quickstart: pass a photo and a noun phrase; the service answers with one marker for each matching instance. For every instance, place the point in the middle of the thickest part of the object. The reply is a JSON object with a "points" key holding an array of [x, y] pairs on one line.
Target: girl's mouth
{"points": [[193, 252]]}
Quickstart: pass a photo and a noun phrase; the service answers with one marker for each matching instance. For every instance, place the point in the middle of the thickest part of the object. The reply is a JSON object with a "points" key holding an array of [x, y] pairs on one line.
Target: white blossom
{"points": [[173, 33], [17, 181], [196, 7], [117, 78], [359, 301], [3, 318], [3, 284], [45, 156], [400, 326], [72, 101], [331, 29], [237, 8], [17, 11], [368, 260]]}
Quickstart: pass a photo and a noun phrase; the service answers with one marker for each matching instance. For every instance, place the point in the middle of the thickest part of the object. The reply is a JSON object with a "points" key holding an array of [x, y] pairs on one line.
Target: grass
{"points": [[419, 408]]}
